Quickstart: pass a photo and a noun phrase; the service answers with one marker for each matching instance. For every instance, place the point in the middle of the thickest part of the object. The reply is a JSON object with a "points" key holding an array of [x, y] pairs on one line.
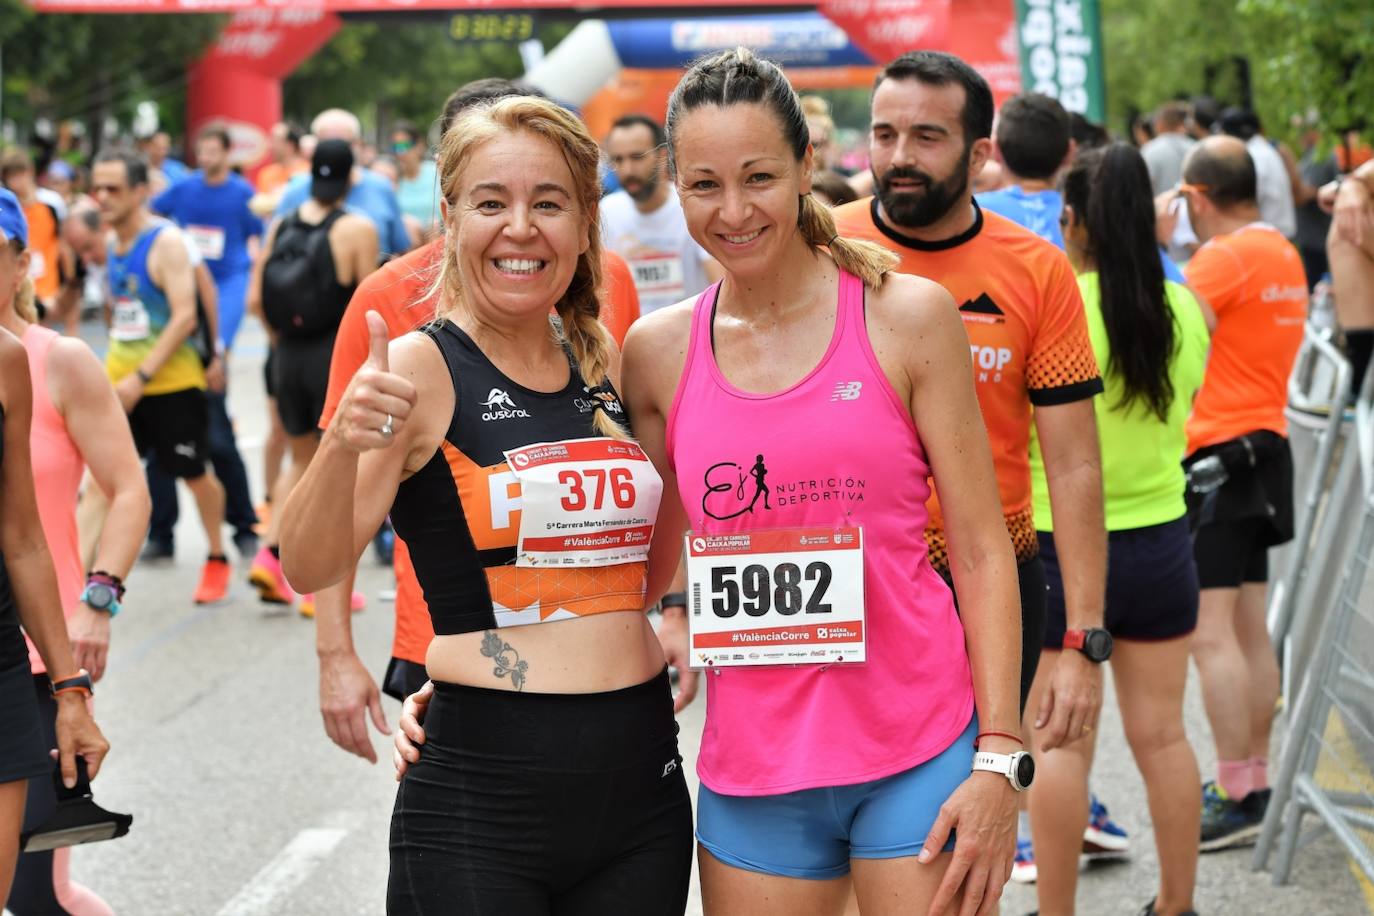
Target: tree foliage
{"points": [[1283, 57], [1319, 54], [386, 71], [87, 67], [1287, 57]]}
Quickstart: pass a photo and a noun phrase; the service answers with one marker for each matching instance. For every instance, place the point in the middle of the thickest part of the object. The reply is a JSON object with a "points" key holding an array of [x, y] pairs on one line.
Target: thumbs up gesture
{"points": [[378, 402]]}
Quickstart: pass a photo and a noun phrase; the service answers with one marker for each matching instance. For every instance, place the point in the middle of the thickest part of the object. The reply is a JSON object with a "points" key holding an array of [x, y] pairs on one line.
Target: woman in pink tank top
{"points": [[798, 409], [77, 423]]}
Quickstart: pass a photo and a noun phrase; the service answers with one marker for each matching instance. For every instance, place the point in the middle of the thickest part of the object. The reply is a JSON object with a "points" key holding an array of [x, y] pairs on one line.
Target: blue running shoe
{"points": [[1227, 822], [1023, 867], [1103, 837]]}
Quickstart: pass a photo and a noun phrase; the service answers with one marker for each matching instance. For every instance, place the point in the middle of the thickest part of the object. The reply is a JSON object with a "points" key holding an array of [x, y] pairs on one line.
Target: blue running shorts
{"points": [[814, 833]]}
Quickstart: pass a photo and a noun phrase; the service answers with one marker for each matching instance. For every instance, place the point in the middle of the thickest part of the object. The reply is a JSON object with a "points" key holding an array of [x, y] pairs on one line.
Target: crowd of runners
{"points": [[1001, 412]]}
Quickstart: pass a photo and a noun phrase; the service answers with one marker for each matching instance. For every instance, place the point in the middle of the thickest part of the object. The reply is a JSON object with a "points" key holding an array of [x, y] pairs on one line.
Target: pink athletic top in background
{"points": [[57, 470], [839, 448]]}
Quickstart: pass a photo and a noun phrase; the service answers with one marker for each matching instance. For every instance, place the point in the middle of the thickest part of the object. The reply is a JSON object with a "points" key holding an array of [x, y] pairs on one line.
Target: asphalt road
{"points": [[243, 806]]}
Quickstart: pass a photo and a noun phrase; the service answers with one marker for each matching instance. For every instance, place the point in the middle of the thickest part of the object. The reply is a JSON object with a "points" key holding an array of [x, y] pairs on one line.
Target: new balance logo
{"points": [[500, 407], [847, 391]]}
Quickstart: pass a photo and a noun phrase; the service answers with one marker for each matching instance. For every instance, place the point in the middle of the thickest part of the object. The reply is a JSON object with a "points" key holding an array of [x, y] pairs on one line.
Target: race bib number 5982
{"points": [[776, 597]]}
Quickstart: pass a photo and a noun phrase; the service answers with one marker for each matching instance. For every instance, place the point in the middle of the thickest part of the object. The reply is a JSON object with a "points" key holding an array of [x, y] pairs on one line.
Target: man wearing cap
{"points": [[313, 260], [368, 193]]}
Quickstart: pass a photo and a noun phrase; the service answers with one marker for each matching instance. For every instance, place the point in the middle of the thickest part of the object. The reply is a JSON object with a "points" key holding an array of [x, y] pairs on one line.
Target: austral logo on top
{"points": [[500, 406], [732, 490], [982, 310]]}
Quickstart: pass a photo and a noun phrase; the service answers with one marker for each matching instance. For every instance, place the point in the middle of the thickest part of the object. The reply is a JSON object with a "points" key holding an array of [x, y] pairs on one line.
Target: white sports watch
{"points": [[1019, 768]]}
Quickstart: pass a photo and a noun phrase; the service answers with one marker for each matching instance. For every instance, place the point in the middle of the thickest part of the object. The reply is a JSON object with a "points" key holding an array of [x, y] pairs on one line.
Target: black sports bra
{"points": [[460, 514]]}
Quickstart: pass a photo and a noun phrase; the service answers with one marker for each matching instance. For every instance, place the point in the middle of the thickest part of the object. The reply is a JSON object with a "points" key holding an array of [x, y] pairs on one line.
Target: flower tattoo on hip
{"points": [[507, 659]]}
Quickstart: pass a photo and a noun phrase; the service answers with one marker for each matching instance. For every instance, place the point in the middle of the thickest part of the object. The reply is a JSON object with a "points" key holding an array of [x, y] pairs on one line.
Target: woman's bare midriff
{"points": [[585, 655]]}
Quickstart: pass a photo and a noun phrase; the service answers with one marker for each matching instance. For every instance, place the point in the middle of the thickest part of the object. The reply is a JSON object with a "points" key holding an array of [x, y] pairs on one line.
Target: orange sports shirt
{"points": [[620, 304], [274, 176], [397, 292], [1253, 278], [1027, 332], [45, 251]]}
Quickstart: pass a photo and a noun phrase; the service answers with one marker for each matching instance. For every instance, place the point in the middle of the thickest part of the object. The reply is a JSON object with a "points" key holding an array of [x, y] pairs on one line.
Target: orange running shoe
{"points": [[356, 603], [264, 513], [266, 576], [214, 581]]}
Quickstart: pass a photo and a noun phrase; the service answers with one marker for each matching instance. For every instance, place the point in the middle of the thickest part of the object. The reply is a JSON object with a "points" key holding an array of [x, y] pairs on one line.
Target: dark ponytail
{"points": [[1109, 190], [739, 76]]}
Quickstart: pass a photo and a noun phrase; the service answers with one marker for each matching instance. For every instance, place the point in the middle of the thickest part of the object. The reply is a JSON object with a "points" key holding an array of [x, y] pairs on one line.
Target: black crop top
{"points": [[460, 514]]}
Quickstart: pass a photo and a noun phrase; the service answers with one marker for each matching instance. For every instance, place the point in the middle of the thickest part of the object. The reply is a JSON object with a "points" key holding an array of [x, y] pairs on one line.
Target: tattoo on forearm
{"points": [[507, 659]]}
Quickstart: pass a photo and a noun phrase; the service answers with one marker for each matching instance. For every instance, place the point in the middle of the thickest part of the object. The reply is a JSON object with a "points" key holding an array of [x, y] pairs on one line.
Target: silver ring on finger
{"points": [[386, 429]]}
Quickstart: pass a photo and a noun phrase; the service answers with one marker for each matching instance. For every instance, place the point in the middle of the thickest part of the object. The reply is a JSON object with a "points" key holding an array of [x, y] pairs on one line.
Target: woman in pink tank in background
{"points": [[814, 389], [77, 423]]}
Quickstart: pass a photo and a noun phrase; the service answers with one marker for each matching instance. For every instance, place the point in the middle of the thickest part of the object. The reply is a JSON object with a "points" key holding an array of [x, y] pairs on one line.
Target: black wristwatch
{"points": [[1095, 643], [674, 599], [78, 682]]}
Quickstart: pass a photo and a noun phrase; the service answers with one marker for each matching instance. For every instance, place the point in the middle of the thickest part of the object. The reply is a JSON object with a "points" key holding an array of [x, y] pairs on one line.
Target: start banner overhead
{"points": [[366, 6]]}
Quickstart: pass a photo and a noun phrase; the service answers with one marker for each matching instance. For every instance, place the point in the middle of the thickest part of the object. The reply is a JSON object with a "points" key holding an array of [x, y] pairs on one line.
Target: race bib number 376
{"points": [[585, 502], [777, 597]]}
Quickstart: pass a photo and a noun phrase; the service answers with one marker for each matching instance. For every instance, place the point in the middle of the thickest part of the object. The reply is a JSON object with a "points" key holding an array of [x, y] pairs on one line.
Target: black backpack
{"points": [[301, 295]]}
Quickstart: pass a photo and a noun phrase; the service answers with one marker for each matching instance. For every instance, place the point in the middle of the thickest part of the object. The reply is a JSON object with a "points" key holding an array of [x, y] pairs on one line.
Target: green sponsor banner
{"points": [[1061, 53]]}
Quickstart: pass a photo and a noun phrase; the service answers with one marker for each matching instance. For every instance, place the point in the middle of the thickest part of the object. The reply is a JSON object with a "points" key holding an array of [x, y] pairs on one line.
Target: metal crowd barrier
{"points": [[1329, 749], [1318, 424]]}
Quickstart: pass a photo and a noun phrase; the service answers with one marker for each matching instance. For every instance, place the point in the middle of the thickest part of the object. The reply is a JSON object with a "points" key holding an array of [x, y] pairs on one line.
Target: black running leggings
{"points": [[35, 891], [544, 805]]}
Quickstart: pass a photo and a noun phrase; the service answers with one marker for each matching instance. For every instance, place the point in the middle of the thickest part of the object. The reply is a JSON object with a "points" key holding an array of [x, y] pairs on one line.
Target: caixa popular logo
{"points": [[598, 398]]}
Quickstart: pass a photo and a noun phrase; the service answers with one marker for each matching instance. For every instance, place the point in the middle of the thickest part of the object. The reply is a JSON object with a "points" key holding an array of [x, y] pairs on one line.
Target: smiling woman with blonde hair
{"points": [[550, 780]]}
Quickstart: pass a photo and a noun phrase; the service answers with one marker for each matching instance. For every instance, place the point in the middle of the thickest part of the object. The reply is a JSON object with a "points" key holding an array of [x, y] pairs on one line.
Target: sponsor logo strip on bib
{"points": [[784, 596]]}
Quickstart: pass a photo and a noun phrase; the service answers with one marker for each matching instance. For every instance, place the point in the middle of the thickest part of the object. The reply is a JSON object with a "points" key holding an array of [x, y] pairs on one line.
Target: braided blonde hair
{"points": [[24, 296], [579, 308], [24, 302]]}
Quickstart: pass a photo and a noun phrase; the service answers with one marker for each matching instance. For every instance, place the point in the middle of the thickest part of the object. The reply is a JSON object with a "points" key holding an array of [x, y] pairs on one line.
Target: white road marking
{"points": [[284, 873]]}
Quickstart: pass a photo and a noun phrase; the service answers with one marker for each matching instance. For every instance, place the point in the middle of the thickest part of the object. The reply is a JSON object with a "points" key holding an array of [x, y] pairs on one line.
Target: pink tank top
{"points": [[57, 470], [837, 448]]}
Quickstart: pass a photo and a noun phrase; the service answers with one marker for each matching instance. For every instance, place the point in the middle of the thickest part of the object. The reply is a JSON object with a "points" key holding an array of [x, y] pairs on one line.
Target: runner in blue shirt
{"points": [[1034, 135], [211, 206], [158, 151]]}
